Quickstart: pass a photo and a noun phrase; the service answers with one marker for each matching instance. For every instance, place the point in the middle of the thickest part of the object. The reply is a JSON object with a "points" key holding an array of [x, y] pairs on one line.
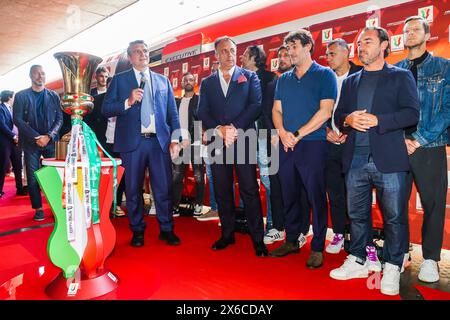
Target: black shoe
{"points": [[138, 239], [39, 215], [1, 194], [260, 249], [169, 237], [21, 192], [222, 243]]}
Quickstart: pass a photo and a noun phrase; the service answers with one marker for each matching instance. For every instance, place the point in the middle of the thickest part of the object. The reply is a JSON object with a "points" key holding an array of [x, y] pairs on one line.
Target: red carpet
{"points": [[16, 211], [432, 294], [157, 271]]}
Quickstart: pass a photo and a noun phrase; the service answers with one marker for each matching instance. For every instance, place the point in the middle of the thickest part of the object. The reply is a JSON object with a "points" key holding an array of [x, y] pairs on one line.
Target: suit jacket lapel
{"points": [[218, 83], [234, 78]]}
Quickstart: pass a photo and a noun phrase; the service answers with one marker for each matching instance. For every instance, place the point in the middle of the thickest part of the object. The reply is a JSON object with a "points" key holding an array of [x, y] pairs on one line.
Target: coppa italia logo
{"points": [[327, 35], [274, 64], [427, 13], [373, 22], [351, 50], [397, 43]]}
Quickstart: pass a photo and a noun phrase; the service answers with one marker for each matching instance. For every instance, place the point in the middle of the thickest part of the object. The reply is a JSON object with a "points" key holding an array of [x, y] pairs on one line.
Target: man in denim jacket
{"points": [[426, 142]]}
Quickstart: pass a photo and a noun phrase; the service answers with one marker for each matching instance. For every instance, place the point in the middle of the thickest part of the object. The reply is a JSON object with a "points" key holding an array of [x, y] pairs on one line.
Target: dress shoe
{"points": [[315, 260], [21, 192], [169, 237], [222, 243], [1, 194], [138, 239], [285, 249], [260, 249]]}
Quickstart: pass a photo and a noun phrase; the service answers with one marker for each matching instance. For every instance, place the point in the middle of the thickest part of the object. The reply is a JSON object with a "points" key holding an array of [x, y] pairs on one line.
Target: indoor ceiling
{"points": [[30, 27]]}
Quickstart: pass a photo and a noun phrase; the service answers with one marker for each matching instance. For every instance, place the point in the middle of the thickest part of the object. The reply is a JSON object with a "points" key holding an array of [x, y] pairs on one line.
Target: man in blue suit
{"points": [[375, 106], [38, 115], [230, 99], [9, 143], [146, 112]]}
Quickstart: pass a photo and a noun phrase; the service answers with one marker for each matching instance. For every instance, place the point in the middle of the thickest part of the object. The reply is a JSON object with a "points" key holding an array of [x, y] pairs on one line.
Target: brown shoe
{"points": [[315, 260], [285, 249]]}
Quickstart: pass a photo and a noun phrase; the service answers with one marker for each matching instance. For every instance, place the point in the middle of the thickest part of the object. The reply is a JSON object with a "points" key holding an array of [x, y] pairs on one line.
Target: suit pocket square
{"points": [[242, 78]]}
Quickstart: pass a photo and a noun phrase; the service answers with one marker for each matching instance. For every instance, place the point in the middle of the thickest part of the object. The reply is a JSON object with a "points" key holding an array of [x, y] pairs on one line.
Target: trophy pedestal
{"points": [[84, 288]]}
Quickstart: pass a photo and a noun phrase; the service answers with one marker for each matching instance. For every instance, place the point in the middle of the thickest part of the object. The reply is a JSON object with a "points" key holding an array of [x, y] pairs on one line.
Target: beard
{"points": [[188, 88], [368, 59]]}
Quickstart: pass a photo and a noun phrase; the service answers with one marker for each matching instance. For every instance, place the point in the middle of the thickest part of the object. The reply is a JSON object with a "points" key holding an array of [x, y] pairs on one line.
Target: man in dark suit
{"points": [[9, 143], [375, 106], [38, 115], [230, 99], [146, 112], [187, 109]]}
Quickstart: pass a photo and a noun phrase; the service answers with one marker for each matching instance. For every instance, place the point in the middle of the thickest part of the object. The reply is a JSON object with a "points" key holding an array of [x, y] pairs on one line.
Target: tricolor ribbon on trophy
{"points": [[80, 194]]}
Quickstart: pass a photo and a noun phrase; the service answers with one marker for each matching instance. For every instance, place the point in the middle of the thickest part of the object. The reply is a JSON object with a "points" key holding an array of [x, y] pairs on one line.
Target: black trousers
{"points": [[11, 152], [248, 190], [178, 171], [335, 181], [429, 172], [276, 201]]}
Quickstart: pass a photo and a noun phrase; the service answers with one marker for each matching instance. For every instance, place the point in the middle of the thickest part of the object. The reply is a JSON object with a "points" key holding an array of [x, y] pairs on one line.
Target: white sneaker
{"points": [[335, 246], [406, 262], [351, 269], [302, 240], [198, 210], [152, 211], [274, 235], [429, 271], [211, 215], [390, 283], [372, 259]]}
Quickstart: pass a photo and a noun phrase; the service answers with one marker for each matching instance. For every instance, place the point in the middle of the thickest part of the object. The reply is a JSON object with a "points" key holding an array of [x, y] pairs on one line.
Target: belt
{"points": [[148, 135]]}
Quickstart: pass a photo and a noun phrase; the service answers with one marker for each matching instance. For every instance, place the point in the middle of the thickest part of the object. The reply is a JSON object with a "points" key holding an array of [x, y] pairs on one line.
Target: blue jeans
{"points": [[362, 176], [263, 164], [32, 164], [212, 198]]}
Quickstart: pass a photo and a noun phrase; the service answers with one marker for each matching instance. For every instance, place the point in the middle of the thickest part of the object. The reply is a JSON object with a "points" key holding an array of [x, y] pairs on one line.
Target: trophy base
{"points": [[82, 289]]}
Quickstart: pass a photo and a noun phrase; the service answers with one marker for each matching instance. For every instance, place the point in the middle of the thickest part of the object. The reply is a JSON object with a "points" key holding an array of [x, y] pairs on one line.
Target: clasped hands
{"points": [[228, 133], [361, 120], [42, 141]]}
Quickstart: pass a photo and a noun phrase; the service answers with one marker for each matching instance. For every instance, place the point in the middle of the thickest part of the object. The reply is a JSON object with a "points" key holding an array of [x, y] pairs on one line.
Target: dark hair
{"points": [[101, 70], [426, 26], [6, 95], [382, 35], [132, 43], [282, 47], [302, 35], [34, 66], [259, 54], [339, 42], [224, 38]]}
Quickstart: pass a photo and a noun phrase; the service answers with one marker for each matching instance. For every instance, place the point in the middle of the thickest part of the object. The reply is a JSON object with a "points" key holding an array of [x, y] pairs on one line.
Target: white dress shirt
{"points": [[151, 128], [223, 83]]}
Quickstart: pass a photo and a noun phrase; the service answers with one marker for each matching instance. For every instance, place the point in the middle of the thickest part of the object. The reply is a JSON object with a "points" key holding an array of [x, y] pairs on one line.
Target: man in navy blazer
{"points": [[230, 99], [38, 115], [146, 112], [9, 143], [375, 106]]}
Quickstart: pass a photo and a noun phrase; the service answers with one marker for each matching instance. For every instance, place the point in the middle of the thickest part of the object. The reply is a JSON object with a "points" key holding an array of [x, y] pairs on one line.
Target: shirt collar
{"points": [[231, 71], [6, 104], [137, 73]]}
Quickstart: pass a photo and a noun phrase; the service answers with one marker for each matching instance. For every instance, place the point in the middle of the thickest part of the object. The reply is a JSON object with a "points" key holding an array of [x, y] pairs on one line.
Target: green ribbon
{"points": [[95, 168]]}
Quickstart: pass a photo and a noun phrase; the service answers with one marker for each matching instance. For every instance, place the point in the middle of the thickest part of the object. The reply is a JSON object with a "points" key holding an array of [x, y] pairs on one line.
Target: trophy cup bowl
{"points": [[77, 71]]}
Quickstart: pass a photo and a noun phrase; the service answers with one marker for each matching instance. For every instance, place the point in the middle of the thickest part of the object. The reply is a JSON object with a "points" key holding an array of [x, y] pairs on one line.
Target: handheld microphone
{"points": [[142, 84]]}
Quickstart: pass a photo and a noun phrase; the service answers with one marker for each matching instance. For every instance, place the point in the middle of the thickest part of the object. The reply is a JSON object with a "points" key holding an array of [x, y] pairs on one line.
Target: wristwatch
{"points": [[297, 135]]}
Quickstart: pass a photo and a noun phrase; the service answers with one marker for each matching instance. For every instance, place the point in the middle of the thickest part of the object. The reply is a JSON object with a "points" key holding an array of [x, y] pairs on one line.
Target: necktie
{"points": [[147, 103]]}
